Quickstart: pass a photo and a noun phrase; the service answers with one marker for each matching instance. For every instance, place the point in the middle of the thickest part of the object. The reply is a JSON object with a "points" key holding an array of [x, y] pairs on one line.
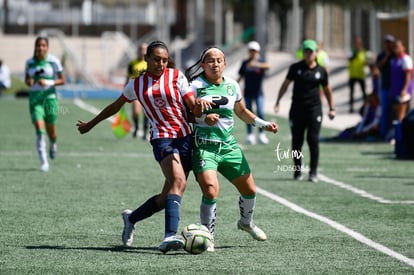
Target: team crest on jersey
{"points": [[317, 75], [156, 87], [159, 102], [319, 119], [230, 90], [299, 72], [168, 149]]}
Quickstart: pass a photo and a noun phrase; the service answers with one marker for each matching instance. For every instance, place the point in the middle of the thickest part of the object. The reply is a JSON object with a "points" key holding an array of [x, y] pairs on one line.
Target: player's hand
{"points": [[331, 114], [203, 105], [276, 108], [211, 119], [83, 127], [272, 127]]}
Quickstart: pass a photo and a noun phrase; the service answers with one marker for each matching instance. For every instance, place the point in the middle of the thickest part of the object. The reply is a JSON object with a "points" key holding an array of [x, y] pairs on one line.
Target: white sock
{"points": [[208, 210], [246, 206], [41, 148]]}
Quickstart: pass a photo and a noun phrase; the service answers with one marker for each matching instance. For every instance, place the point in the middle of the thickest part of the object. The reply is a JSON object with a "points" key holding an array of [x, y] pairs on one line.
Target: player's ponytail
{"points": [[195, 70]]}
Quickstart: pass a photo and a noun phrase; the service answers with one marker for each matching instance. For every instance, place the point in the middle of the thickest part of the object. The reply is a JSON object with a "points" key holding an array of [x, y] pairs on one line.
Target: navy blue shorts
{"points": [[162, 147]]}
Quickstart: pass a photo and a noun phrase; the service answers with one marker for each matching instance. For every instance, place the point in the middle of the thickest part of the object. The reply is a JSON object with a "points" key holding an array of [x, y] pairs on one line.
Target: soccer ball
{"points": [[197, 238]]}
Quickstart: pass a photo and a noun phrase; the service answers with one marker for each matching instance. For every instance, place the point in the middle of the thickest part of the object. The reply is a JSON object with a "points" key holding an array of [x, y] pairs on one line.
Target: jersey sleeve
{"points": [[57, 65], [129, 92], [238, 92], [325, 78], [407, 63], [183, 85], [290, 75]]}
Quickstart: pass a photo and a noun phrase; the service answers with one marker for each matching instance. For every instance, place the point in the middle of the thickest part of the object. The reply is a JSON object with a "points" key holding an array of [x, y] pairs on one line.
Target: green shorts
{"points": [[226, 158], [44, 105]]}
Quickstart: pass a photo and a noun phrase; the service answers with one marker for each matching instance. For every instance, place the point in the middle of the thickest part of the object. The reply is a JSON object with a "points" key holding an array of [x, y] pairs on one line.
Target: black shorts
{"points": [[162, 147]]}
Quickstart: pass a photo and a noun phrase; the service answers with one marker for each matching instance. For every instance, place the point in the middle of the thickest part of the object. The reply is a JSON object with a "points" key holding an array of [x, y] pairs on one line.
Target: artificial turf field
{"points": [[359, 219]]}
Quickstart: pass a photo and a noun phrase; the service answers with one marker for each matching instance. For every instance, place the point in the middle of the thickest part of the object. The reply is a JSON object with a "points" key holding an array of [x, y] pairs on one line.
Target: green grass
{"points": [[68, 221], [17, 84]]}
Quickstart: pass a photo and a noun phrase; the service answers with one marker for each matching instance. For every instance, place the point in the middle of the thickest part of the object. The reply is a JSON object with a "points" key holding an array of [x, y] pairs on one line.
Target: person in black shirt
{"points": [[306, 108], [253, 71]]}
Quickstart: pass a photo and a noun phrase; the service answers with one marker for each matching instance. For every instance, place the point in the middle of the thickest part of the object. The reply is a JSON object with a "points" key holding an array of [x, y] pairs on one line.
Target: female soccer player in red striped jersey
{"points": [[164, 95]]}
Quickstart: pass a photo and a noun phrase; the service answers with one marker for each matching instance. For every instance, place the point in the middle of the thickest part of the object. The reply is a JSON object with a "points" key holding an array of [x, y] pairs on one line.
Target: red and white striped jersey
{"points": [[162, 99]]}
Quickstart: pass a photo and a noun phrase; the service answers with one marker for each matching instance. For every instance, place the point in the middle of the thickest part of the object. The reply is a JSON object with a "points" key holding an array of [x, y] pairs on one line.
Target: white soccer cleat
{"points": [[253, 230], [171, 243], [210, 248], [128, 232], [44, 167], [263, 139], [53, 150], [313, 178], [251, 139], [298, 176]]}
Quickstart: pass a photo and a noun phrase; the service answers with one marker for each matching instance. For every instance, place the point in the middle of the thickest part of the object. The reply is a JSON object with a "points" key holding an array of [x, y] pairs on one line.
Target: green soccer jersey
{"points": [[47, 68], [224, 96]]}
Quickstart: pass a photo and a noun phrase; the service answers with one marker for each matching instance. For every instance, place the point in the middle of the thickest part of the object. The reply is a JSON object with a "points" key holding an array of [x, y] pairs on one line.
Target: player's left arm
{"points": [[328, 94], [327, 90], [248, 117], [60, 80]]}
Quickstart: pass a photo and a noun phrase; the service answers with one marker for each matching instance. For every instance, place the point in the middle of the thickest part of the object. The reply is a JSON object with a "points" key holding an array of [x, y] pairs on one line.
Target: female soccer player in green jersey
{"points": [[43, 72], [216, 149]]}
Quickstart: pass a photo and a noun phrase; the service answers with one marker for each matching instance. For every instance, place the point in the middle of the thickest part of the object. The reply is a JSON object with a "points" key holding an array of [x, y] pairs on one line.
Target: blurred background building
{"points": [[96, 38]]}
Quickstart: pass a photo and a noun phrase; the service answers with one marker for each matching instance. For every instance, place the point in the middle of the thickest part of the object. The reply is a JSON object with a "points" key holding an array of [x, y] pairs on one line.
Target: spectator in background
{"points": [[401, 81], [383, 63], [322, 57], [253, 71], [356, 69], [368, 127], [5, 81], [137, 67]]}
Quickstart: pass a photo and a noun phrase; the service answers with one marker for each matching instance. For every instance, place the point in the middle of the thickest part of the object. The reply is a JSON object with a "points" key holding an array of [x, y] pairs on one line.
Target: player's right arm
{"points": [[282, 91], [111, 109]]}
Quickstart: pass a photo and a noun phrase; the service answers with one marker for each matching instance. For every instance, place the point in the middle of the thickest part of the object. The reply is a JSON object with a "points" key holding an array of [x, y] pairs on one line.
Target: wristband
{"points": [[260, 123], [200, 119], [49, 82]]}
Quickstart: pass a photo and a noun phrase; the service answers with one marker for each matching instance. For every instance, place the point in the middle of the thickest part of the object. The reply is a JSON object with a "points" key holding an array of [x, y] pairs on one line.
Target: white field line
{"points": [[92, 109], [79, 154], [360, 192], [355, 235]]}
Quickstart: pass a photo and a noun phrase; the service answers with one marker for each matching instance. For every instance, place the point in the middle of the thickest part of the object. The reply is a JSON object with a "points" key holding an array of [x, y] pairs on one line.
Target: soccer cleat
{"points": [[251, 139], [128, 232], [297, 176], [53, 151], [44, 167], [253, 230], [313, 178], [210, 248], [263, 139], [171, 243]]}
